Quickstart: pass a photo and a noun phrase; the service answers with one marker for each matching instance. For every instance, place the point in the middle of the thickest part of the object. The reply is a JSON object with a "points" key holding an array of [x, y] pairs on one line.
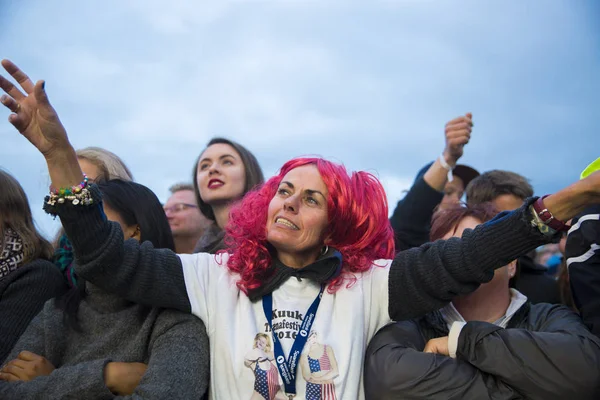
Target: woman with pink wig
{"points": [[309, 251]]}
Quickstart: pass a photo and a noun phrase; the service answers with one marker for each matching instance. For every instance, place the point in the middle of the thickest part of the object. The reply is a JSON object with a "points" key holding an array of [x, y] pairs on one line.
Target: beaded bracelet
{"points": [[72, 190], [78, 194]]}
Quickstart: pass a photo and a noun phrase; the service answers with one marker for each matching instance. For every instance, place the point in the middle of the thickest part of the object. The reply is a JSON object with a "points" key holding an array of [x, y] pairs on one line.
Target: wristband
{"points": [[546, 217], [446, 166]]}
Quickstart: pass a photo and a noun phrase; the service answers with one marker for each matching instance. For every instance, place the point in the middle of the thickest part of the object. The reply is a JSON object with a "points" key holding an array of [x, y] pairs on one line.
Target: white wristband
{"points": [[446, 166]]}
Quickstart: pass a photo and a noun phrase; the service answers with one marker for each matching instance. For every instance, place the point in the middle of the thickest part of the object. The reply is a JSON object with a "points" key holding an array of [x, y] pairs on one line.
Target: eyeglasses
{"points": [[175, 208]]}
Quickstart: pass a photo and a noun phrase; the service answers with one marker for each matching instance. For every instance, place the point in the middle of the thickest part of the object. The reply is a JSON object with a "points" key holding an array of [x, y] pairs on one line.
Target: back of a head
{"points": [[253, 172], [15, 214], [110, 166], [136, 204], [489, 185], [446, 220]]}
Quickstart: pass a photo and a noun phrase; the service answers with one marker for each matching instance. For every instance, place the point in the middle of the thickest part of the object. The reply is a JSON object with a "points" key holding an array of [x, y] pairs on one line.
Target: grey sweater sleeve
{"points": [[135, 271], [559, 360], [425, 278], [24, 298], [179, 359], [397, 368], [82, 381]]}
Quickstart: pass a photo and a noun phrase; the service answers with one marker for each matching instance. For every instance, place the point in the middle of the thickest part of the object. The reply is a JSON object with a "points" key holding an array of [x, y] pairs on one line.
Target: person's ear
{"points": [[512, 269], [137, 233]]}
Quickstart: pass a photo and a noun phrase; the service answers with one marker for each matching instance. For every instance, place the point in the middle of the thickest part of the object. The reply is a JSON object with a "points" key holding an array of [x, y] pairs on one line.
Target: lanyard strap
{"points": [[288, 368]]}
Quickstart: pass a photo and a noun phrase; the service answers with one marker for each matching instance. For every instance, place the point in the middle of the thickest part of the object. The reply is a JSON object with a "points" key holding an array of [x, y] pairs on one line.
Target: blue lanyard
{"points": [[288, 368]]}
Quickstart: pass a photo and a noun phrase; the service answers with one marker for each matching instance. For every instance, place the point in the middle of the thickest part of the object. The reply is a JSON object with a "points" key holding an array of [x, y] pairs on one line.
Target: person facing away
{"points": [[507, 191], [27, 276], [489, 344], [185, 219], [432, 188], [292, 267], [92, 344], [224, 172]]}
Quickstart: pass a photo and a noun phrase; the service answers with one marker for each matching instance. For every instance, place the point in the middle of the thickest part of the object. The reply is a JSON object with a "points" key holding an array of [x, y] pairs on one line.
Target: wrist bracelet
{"points": [[446, 166], [546, 217], [72, 190]]}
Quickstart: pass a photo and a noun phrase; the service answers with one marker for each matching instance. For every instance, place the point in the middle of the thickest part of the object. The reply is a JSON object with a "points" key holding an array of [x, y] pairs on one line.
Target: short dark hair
{"points": [[446, 219], [138, 205], [489, 185], [253, 172]]}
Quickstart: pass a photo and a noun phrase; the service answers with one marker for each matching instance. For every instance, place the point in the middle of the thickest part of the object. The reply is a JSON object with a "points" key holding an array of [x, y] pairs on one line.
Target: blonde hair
{"points": [[266, 337], [109, 165]]}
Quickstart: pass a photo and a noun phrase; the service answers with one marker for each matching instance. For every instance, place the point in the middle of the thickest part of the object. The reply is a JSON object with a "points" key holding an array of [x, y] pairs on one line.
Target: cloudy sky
{"points": [[370, 84]]}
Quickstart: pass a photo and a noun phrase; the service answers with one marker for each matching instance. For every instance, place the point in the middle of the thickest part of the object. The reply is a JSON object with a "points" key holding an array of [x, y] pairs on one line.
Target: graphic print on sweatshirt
{"points": [[318, 365]]}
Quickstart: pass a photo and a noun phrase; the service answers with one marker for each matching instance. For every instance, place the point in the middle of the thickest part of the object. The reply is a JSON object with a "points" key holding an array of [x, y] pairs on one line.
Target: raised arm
{"points": [[137, 272], [426, 278], [412, 217], [396, 368]]}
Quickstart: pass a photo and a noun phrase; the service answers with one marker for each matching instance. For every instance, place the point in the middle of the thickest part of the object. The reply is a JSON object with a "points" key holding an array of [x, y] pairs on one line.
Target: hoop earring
{"points": [[324, 250]]}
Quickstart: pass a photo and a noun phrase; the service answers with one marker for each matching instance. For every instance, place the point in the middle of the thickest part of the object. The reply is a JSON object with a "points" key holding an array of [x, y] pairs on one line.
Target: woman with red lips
{"points": [[311, 250], [224, 172]]}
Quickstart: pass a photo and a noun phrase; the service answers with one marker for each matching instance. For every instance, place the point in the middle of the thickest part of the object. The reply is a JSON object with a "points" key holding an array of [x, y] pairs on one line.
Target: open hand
{"points": [[26, 367], [458, 133], [33, 116]]}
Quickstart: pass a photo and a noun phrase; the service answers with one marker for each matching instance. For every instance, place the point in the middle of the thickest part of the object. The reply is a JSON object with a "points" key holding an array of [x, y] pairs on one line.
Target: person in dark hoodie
{"points": [[507, 191], [489, 344], [439, 183]]}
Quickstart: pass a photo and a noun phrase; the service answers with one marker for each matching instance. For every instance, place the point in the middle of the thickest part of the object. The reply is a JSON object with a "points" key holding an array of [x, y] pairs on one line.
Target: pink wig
{"points": [[358, 224]]}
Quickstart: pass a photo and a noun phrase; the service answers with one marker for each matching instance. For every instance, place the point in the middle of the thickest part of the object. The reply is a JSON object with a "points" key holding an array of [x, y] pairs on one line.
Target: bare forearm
{"points": [[572, 200], [437, 176], [63, 168]]}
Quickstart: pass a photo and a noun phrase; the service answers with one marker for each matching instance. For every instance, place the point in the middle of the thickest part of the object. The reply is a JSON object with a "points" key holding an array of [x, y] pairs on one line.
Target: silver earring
{"points": [[324, 250]]}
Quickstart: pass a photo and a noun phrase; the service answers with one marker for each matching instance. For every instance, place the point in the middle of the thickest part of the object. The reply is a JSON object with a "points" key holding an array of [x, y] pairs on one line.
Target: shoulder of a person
{"points": [[541, 313], [38, 270]]}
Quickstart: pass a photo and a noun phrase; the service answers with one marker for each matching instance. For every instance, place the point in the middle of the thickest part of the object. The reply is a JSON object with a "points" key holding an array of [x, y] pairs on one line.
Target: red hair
{"points": [[358, 224], [447, 219]]}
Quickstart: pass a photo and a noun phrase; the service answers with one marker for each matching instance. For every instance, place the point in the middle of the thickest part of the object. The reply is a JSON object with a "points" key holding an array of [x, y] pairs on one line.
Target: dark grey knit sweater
{"points": [[23, 293], [429, 276], [173, 344]]}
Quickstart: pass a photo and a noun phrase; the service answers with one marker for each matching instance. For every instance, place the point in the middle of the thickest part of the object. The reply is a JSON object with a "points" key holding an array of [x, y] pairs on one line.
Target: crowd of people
{"points": [[297, 286]]}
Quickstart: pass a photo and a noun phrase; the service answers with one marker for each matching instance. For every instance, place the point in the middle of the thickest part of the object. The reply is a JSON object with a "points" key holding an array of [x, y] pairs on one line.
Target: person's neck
{"points": [[297, 261], [186, 244], [483, 305], [221, 214]]}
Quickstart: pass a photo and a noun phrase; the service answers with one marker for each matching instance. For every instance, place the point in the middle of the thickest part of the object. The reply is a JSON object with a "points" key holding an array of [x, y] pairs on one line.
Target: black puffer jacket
{"points": [[544, 353]]}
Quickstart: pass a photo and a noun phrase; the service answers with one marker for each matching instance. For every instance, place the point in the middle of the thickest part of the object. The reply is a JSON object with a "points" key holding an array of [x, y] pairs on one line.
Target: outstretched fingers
{"points": [[18, 75], [11, 89], [9, 103]]}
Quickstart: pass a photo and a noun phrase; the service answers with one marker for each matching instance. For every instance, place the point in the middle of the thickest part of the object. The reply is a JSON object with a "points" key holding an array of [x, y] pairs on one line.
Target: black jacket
{"points": [[534, 282], [23, 293], [545, 353], [583, 259]]}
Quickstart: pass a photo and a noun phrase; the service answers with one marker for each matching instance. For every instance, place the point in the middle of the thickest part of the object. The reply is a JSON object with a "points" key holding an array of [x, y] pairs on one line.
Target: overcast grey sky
{"points": [[370, 84]]}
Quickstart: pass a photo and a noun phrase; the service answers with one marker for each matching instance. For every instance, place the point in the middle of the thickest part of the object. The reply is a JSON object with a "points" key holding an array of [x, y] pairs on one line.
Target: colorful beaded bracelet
{"points": [[72, 190], [83, 198]]}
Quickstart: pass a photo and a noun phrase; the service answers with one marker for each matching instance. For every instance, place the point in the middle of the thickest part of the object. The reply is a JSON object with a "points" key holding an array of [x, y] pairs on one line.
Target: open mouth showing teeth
{"points": [[287, 223], [215, 183]]}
